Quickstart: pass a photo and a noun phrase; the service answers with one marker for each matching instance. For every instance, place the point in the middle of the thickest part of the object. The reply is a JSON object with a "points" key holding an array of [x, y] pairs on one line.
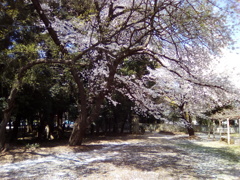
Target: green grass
{"points": [[230, 153], [33, 146]]}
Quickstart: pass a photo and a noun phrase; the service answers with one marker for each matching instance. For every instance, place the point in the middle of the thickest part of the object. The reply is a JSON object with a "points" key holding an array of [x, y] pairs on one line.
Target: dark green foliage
{"points": [[218, 109], [137, 65]]}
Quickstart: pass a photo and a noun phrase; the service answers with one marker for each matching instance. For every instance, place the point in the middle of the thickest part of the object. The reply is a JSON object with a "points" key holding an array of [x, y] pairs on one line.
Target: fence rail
{"points": [[178, 128]]}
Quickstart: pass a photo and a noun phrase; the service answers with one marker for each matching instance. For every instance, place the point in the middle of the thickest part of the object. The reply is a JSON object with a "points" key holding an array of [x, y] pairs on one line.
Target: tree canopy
{"points": [[112, 45]]}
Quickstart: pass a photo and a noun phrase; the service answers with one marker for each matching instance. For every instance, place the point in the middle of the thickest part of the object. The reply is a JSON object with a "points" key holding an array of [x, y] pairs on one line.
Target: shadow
{"points": [[180, 158], [19, 150], [171, 155], [113, 137], [166, 133], [221, 153]]}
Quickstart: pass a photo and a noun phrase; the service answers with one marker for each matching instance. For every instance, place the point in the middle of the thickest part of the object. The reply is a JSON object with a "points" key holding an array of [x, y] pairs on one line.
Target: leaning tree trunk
{"points": [[80, 124], [78, 132], [3, 125], [7, 113], [84, 119]]}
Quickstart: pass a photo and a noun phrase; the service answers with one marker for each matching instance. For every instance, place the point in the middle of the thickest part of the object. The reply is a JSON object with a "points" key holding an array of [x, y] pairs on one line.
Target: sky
{"points": [[229, 65]]}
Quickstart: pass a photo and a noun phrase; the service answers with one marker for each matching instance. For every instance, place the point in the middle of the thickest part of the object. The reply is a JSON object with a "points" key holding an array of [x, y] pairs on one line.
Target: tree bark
{"points": [[30, 124], [78, 132], [16, 124], [3, 125], [187, 119], [190, 131], [81, 123], [7, 113], [189, 125], [47, 24], [135, 124]]}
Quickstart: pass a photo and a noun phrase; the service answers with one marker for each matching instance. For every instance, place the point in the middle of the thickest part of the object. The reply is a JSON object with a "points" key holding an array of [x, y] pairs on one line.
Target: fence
{"points": [[178, 128], [163, 127], [204, 128]]}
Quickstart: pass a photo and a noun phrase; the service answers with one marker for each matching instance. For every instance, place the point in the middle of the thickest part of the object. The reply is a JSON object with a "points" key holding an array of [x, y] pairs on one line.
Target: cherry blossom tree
{"points": [[190, 99], [181, 36]]}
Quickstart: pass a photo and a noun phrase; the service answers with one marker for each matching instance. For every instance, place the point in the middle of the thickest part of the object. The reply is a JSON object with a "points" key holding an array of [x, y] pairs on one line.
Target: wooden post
{"points": [[209, 128], [239, 126], [214, 128], [220, 128], [228, 131]]}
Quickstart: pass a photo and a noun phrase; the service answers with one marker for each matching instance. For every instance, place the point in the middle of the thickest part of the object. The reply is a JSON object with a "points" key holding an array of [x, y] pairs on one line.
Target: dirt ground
{"points": [[150, 156]]}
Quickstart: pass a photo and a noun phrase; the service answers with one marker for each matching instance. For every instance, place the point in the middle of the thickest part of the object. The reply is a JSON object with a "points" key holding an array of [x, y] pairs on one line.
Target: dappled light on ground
{"points": [[151, 156]]}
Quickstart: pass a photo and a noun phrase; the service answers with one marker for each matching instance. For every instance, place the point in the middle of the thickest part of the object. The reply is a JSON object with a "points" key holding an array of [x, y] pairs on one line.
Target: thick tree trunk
{"points": [[16, 124], [135, 124], [60, 125], [30, 124], [7, 113], [190, 127], [190, 130], [80, 124], [3, 125], [78, 132], [187, 119]]}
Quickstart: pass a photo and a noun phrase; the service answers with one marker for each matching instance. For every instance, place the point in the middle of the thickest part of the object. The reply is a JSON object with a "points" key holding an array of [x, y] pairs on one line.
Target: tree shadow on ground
{"points": [[166, 154], [222, 153], [148, 153], [227, 160]]}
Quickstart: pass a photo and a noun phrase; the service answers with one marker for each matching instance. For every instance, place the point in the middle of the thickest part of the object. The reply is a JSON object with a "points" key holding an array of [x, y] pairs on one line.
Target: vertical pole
{"points": [[214, 127], [228, 131], [209, 128], [239, 126], [220, 129]]}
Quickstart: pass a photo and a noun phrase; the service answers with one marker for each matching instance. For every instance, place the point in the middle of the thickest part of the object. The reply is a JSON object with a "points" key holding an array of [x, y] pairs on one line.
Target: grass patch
{"points": [[235, 135], [230, 153], [33, 146]]}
